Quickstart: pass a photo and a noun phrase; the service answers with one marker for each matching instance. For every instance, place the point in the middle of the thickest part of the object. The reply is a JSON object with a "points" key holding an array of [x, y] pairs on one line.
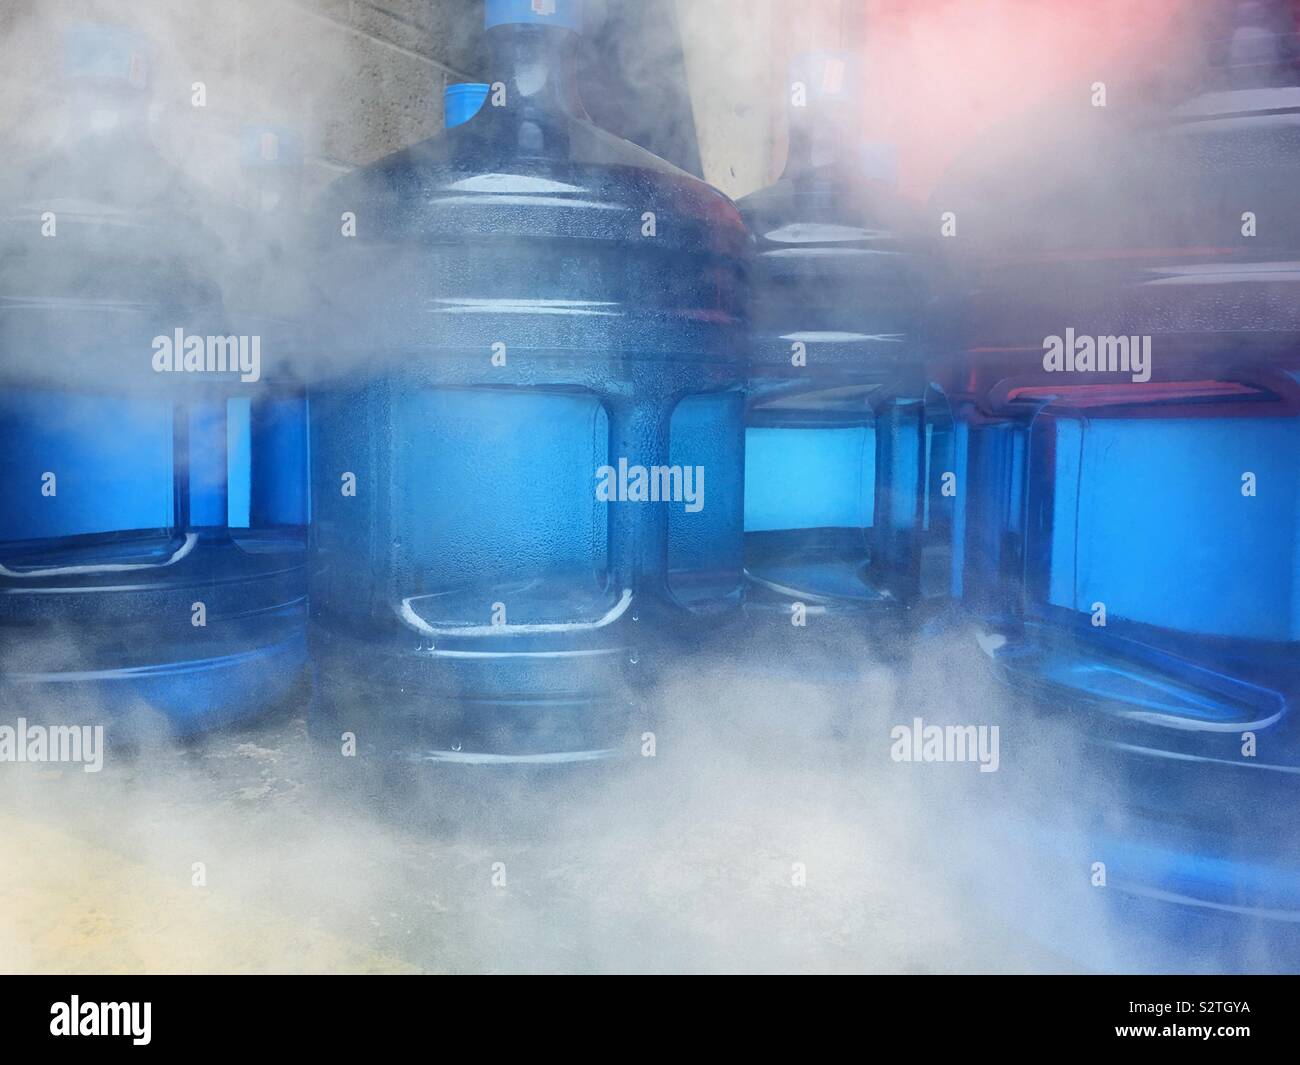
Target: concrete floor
{"points": [[786, 854]]}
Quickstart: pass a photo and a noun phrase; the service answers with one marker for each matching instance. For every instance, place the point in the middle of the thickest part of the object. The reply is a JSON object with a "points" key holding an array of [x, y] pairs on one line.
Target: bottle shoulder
{"points": [[126, 175], [470, 177], [100, 220], [823, 207], [1158, 186]]}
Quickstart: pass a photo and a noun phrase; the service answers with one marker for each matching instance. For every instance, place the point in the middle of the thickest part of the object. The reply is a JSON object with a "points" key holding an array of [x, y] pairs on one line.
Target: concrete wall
{"points": [[361, 78], [737, 58], [358, 77]]}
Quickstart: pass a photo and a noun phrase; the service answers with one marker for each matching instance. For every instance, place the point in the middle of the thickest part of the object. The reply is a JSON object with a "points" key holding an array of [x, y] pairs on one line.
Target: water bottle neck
{"points": [[1262, 46], [823, 137], [96, 112], [538, 68], [271, 191]]}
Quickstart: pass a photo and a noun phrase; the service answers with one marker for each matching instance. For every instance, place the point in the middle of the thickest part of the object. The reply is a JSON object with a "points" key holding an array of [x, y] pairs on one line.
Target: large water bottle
{"points": [[1129, 435], [134, 582], [837, 434], [526, 452], [1130, 522]]}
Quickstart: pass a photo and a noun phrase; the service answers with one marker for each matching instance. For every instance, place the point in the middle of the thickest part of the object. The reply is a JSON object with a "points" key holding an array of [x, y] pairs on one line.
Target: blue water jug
{"points": [[134, 583], [1129, 421], [1132, 411], [527, 442], [838, 441]]}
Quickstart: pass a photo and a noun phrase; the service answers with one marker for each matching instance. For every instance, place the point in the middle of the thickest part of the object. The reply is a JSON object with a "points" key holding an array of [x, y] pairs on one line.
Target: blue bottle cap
{"points": [[462, 102], [563, 13], [107, 53], [269, 146], [828, 75]]}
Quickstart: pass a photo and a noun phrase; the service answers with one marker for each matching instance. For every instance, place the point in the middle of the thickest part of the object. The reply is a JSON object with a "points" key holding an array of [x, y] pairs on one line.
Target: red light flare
{"points": [[941, 73]]}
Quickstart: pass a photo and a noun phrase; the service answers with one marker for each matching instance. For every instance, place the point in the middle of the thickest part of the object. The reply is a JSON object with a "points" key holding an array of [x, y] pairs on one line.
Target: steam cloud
{"points": [[686, 861]]}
